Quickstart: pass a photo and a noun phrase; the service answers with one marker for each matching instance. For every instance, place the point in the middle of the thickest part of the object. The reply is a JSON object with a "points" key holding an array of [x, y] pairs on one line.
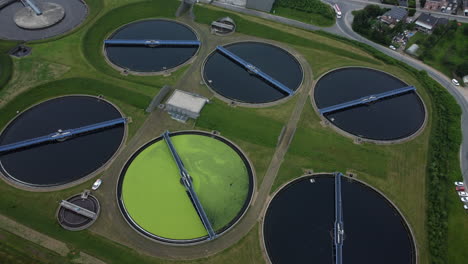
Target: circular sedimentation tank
{"points": [[58, 17], [71, 220], [60, 162], [234, 82], [154, 201], [146, 59], [299, 223], [388, 119], [52, 14]]}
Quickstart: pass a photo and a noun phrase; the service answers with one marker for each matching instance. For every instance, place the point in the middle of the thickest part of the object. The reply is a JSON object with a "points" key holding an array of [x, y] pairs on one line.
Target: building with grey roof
{"points": [[394, 15], [183, 105], [427, 22], [262, 5]]}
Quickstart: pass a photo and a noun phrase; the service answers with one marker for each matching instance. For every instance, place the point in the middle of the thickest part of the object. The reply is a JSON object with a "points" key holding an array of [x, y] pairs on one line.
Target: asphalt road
{"points": [[343, 28]]}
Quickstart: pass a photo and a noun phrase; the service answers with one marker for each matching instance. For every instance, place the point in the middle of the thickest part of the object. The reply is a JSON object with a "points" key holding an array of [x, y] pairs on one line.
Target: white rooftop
{"points": [[188, 101]]}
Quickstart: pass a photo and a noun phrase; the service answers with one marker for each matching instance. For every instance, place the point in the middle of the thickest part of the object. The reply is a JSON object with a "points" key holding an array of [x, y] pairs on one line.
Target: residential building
{"points": [[427, 22], [394, 15]]}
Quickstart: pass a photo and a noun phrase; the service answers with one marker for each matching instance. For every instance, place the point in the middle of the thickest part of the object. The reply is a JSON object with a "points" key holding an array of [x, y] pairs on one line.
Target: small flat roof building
{"points": [[413, 49], [262, 5], [183, 105]]}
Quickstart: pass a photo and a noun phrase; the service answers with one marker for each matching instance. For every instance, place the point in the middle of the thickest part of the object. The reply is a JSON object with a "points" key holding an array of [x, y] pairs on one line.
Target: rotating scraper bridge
{"points": [[254, 70], [366, 100], [27, 3], [338, 235], [61, 135], [187, 182], [151, 42]]}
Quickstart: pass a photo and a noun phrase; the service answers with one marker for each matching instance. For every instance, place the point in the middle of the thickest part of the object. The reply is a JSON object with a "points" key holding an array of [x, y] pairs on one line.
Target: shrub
{"points": [[308, 6]]}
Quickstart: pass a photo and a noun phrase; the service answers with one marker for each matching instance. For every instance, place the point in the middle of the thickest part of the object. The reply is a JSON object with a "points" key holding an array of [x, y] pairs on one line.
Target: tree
{"points": [[465, 29], [462, 69]]}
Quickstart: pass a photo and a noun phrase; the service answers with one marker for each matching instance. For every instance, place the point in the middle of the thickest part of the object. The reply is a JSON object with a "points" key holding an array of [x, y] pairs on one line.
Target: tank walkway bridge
{"points": [[78, 209], [366, 100], [222, 25], [254, 70], [338, 234], [27, 3], [61, 135], [187, 181], [151, 42]]}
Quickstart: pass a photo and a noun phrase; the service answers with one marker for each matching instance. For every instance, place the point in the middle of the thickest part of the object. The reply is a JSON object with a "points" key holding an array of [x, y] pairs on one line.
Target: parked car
{"points": [[458, 183], [463, 194], [455, 82], [464, 199], [96, 184], [465, 206], [460, 188], [392, 47]]}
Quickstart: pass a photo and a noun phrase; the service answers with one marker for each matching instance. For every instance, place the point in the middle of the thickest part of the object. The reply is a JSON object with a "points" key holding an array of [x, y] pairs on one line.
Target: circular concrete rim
{"points": [[156, 73], [28, 11], [281, 187], [287, 49], [38, 188], [217, 33], [67, 32], [81, 227], [201, 240], [356, 138]]}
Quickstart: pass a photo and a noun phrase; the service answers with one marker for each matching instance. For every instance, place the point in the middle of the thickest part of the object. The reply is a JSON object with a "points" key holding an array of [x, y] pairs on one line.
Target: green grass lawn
{"points": [[17, 250], [152, 180]]}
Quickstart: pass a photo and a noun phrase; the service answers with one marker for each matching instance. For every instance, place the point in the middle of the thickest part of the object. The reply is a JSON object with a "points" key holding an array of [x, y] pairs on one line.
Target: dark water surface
{"points": [[388, 119], [148, 59], [232, 81], [67, 161], [299, 224]]}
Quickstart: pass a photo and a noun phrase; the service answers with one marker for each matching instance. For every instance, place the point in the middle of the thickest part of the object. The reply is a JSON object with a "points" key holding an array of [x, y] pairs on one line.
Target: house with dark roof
{"points": [[427, 22], [262, 5], [394, 15]]}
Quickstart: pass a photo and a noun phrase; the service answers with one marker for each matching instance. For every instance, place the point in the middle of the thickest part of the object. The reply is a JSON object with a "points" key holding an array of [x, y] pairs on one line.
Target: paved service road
{"points": [[343, 28]]}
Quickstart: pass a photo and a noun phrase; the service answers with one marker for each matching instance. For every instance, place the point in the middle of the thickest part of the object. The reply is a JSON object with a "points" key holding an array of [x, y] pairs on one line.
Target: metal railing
{"points": [[254, 70], [61, 135], [366, 100]]}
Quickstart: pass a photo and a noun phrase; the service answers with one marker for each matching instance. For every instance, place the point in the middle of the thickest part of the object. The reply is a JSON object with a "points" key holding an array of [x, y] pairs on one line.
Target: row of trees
{"points": [[308, 6]]}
